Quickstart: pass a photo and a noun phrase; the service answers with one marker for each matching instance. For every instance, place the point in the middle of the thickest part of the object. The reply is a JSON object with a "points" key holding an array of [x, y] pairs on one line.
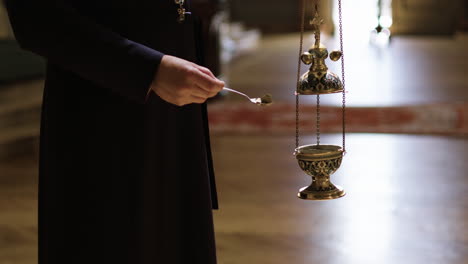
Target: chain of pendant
{"points": [[301, 43], [318, 95], [340, 17], [181, 10]]}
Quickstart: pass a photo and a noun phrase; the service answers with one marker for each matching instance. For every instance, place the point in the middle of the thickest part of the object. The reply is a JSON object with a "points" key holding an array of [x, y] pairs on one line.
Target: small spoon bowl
{"points": [[264, 100]]}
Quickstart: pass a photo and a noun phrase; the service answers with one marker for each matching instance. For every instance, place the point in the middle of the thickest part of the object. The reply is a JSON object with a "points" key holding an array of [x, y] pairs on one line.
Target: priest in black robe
{"points": [[125, 171]]}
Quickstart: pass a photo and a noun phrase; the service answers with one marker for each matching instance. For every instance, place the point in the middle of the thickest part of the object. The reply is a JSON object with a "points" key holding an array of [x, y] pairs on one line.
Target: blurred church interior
{"points": [[405, 171]]}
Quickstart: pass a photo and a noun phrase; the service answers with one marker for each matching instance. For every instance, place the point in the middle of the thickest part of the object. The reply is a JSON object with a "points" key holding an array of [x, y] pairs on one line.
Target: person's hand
{"points": [[181, 82]]}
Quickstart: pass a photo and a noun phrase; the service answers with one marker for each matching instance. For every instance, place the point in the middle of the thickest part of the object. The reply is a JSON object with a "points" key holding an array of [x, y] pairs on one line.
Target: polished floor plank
{"points": [[18, 210], [405, 202]]}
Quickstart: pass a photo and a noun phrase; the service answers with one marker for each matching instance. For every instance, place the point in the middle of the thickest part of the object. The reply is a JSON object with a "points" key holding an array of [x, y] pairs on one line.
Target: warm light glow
{"points": [[368, 227], [386, 21]]}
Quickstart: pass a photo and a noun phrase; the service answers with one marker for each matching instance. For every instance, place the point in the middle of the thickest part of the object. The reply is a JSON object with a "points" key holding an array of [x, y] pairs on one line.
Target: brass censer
{"points": [[319, 161]]}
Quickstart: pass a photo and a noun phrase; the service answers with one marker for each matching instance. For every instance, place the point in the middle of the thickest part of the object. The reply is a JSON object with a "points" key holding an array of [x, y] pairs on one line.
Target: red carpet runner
{"points": [[244, 118]]}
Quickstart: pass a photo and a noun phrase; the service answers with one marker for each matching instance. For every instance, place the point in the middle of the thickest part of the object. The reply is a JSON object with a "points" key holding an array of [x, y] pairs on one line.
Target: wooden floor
{"points": [[406, 194], [406, 203]]}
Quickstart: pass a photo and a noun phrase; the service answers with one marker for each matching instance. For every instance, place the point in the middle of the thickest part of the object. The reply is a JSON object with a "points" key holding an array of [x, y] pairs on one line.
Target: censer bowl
{"points": [[320, 161]]}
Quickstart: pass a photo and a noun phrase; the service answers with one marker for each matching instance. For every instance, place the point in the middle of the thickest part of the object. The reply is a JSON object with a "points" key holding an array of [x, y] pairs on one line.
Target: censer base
{"points": [[311, 193]]}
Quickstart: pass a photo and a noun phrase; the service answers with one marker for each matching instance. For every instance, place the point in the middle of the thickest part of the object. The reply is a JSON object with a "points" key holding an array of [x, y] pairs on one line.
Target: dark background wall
{"points": [[268, 15], [410, 16], [429, 16]]}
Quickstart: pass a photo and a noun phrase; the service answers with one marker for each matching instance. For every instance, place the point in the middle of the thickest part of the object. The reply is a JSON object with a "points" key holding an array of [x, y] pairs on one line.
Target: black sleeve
{"points": [[56, 31]]}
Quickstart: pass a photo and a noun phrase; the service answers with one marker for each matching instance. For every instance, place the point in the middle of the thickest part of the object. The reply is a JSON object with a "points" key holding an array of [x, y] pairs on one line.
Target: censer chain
{"points": [[301, 43], [318, 95], [342, 75], [318, 119]]}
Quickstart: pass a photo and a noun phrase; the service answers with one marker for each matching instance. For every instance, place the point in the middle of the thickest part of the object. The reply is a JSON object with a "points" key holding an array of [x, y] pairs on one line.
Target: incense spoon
{"points": [[264, 100]]}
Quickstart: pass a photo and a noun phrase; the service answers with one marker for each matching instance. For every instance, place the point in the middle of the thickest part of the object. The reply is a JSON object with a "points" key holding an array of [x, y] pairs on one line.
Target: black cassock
{"points": [[122, 179]]}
